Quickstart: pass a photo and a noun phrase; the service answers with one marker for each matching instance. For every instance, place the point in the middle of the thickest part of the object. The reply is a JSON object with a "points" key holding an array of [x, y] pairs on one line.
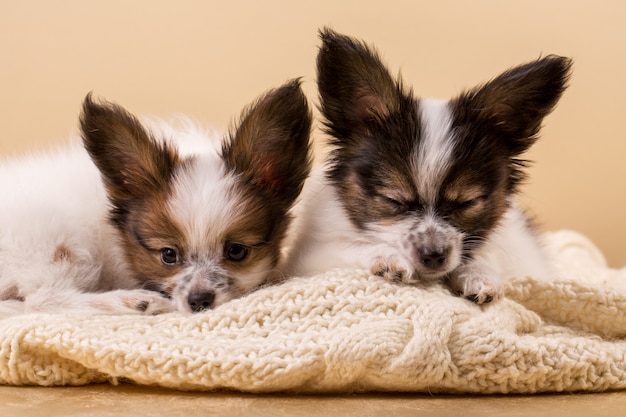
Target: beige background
{"points": [[210, 58]]}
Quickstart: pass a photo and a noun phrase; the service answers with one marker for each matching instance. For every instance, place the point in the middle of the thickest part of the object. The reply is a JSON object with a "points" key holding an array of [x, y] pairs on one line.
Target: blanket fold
{"points": [[346, 331]]}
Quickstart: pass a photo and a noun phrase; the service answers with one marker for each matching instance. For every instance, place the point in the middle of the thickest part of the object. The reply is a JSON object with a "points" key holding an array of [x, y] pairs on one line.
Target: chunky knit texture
{"points": [[346, 331]]}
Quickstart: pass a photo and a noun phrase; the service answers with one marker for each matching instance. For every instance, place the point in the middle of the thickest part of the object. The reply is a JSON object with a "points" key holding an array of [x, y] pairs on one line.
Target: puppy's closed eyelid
{"points": [[394, 200], [392, 205], [470, 202]]}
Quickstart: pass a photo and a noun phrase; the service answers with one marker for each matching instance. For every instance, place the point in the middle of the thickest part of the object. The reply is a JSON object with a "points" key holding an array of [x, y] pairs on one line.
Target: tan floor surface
{"points": [[106, 400]]}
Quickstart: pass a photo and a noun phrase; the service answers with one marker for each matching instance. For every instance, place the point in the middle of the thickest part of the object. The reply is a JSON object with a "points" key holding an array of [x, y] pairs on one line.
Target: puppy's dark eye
{"points": [[169, 256], [236, 252]]}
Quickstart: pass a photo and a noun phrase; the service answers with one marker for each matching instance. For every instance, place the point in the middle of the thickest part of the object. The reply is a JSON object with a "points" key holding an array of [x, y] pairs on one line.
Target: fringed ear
{"points": [[132, 164], [355, 87], [514, 104], [270, 148]]}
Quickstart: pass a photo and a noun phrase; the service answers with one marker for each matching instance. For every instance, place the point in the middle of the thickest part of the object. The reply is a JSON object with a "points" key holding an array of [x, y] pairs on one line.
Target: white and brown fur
{"points": [[152, 217], [418, 189]]}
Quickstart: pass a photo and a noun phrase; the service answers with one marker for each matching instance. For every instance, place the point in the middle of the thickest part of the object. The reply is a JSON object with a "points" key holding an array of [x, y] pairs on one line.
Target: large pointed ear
{"points": [[270, 148], [132, 163], [514, 104], [355, 87]]}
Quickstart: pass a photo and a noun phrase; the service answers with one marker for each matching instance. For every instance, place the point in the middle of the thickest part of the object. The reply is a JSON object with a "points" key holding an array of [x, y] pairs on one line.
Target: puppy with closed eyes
{"points": [[418, 189], [152, 217]]}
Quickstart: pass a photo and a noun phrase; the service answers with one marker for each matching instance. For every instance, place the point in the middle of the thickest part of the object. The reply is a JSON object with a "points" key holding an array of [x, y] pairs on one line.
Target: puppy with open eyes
{"points": [[151, 218], [418, 189]]}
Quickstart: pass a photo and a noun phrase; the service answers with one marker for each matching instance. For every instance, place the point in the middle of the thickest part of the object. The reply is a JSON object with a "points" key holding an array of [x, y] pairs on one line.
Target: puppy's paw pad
{"points": [[148, 302], [392, 269], [482, 291], [480, 298]]}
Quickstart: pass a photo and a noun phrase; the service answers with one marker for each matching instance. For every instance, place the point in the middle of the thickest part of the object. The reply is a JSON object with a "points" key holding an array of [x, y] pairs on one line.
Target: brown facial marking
{"points": [[463, 189], [261, 227], [149, 229]]}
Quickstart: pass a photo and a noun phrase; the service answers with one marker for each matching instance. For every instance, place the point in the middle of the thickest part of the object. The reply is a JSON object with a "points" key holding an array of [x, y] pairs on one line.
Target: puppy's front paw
{"points": [[479, 285], [393, 268], [147, 302]]}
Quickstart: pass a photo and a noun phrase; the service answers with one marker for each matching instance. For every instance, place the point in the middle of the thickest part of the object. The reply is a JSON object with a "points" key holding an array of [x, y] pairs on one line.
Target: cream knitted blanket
{"points": [[345, 331]]}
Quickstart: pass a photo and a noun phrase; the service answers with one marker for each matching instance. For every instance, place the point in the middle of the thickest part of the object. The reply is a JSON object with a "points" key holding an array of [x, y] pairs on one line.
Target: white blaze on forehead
{"points": [[433, 155], [203, 202]]}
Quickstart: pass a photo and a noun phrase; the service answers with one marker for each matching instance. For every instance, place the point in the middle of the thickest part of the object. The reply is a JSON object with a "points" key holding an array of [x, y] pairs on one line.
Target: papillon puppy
{"points": [[149, 217], [416, 190]]}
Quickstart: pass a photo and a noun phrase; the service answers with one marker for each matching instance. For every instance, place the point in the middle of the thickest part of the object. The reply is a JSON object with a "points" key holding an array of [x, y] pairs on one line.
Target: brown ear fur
{"points": [[132, 163], [514, 104], [355, 87], [270, 149]]}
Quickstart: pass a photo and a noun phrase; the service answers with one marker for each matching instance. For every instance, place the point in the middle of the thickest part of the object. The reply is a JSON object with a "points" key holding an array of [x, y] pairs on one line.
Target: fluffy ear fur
{"points": [[356, 90], [270, 149], [132, 163], [513, 105]]}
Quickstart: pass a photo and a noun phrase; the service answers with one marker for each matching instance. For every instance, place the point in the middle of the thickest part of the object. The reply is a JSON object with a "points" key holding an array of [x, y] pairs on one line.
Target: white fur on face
{"points": [[431, 162], [433, 156], [410, 234], [204, 203]]}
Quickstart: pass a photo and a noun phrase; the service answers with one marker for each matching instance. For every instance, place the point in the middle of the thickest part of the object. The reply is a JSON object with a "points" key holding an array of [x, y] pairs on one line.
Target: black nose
{"points": [[199, 301], [433, 258]]}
